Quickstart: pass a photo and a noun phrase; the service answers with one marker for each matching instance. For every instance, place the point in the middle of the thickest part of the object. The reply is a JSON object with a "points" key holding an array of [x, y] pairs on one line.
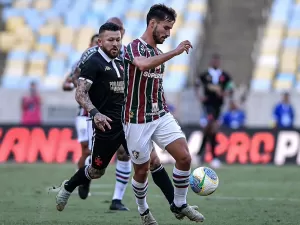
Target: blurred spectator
{"points": [[31, 107], [234, 118], [283, 113]]}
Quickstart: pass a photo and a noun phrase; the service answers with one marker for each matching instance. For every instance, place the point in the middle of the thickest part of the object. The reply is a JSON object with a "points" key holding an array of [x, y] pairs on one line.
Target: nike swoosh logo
{"points": [[202, 182]]}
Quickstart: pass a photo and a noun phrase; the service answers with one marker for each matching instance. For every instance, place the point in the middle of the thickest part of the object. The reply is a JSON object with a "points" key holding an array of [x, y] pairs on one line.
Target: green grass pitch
{"points": [[247, 195]]}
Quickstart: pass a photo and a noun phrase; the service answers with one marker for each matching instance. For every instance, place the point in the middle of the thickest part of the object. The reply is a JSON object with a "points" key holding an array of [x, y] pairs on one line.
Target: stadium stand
{"points": [[277, 66], [44, 38]]}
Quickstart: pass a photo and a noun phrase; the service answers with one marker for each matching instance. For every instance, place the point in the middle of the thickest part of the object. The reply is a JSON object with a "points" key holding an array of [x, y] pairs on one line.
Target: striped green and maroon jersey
{"points": [[144, 94]]}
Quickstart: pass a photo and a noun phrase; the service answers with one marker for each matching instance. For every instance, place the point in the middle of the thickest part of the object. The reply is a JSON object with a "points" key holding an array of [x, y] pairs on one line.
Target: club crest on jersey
{"points": [[135, 154], [107, 68], [121, 67]]}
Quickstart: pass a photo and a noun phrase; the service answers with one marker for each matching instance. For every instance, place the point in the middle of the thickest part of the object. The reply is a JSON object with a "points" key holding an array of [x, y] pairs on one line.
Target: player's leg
{"points": [[82, 136], [161, 177], [102, 152], [123, 171], [84, 190], [138, 137], [169, 136], [207, 129], [215, 163]]}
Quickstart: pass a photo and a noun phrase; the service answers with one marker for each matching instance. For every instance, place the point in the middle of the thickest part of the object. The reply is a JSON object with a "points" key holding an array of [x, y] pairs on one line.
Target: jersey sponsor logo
{"points": [[152, 75], [117, 86], [156, 113]]}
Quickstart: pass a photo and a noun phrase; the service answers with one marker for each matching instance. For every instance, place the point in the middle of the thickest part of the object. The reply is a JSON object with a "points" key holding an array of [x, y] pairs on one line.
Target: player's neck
{"points": [[148, 39]]}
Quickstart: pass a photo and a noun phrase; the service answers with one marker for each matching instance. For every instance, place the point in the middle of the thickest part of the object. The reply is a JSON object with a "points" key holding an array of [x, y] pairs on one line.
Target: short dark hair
{"points": [[108, 27], [161, 12], [94, 36]]}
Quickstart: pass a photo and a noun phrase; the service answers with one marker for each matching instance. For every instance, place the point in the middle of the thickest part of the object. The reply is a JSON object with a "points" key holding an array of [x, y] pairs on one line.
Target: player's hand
{"points": [[183, 46], [102, 121]]}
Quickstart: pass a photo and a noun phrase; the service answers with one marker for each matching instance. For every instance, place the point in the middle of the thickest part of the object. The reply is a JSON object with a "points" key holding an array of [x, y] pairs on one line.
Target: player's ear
{"points": [[99, 41], [152, 23]]}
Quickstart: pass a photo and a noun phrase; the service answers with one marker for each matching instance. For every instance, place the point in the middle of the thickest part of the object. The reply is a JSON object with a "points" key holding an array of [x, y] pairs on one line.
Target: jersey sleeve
{"points": [[89, 70], [134, 49]]}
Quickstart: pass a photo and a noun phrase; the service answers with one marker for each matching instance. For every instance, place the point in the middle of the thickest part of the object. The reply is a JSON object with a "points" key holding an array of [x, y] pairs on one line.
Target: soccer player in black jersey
{"points": [[216, 84], [101, 89], [81, 122]]}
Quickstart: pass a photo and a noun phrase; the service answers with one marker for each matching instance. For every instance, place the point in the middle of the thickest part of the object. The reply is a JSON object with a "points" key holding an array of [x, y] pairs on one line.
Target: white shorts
{"points": [[90, 133], [82, 128], [139, 137]]}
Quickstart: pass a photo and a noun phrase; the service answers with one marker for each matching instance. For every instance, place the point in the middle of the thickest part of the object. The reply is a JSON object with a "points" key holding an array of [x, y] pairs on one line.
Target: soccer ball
{"points": [[204, 181]]}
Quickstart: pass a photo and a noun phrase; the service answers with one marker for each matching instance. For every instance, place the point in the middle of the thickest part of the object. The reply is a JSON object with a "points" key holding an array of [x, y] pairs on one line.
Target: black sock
{"points": [[213, 143], [162, 180], [203, 144], [79, 178]]}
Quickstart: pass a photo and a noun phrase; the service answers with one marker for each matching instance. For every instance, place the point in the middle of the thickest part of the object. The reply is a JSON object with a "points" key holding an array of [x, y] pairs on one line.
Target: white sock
{"points": [[181, 185], [123, 170], [140, 191], [87, 161]]}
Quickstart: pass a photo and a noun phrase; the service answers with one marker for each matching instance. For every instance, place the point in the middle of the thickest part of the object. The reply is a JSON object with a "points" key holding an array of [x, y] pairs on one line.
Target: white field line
{"points": [[219, 198]]}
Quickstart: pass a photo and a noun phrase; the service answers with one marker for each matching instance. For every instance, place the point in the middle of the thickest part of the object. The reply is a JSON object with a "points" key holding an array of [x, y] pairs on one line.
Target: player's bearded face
{"points": [[161, 31], [110, 43]]}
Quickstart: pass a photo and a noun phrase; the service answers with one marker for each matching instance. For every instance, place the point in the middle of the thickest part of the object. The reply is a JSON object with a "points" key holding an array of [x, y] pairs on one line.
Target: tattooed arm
{"points": [[82, 94]]}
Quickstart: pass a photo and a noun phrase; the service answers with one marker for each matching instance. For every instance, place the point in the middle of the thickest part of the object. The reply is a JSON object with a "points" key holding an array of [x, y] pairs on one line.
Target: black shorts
{"points": [[212, 112], [103, 149]]}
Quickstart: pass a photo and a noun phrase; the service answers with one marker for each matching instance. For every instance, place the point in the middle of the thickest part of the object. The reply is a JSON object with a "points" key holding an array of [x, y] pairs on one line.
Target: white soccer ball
{"points": [[204, 181]]}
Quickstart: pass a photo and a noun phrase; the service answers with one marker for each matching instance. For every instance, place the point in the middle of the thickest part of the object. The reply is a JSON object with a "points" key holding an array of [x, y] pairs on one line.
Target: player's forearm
{"points": [[144, 63], [82, 95], [75, 77]]}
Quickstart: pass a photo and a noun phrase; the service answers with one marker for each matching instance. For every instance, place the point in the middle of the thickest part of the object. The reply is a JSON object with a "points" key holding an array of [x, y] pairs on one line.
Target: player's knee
{"points": [[154, 163], [185, 160], [122, 155], [96, 173], [141, 171], [185, 157]]}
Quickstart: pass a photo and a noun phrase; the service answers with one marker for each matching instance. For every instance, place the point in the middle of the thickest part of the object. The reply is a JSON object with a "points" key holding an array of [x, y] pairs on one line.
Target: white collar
{"points": [[106, 57]]}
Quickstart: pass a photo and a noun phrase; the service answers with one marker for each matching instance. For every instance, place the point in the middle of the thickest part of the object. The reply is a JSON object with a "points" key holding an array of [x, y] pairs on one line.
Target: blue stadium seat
{"points": [[73, 58], [260, 85], [286, 77], [68, 49], [47, 40], [62, 6], [34, 19], [50, 14], [92, 20], [36, 55], [73, 19], [10, 12], [56, 67], [17, 55], [291, 42]]}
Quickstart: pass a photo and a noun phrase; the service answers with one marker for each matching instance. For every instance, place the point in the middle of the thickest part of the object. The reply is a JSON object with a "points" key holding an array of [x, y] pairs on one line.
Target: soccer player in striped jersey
{"points": [[146, 117], [123, 165]]}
